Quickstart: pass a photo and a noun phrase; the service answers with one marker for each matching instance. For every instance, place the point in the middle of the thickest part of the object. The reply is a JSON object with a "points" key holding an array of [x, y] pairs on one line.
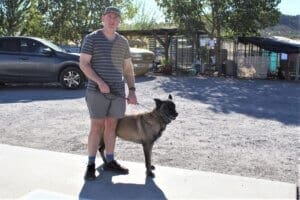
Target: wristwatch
{"points": [[132, 88]]}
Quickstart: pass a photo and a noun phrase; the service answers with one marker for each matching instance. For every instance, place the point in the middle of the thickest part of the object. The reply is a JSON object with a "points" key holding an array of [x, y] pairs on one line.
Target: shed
{"points": [[279, 45]]}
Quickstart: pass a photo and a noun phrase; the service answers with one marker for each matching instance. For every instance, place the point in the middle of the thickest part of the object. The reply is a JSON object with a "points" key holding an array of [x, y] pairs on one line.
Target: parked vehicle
{"points": [[142, 60], [36, 60], [31, 60]]}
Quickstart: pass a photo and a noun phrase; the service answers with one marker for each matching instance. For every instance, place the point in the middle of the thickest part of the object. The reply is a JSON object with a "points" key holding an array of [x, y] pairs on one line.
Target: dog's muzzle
{"points": [[173, 117]]}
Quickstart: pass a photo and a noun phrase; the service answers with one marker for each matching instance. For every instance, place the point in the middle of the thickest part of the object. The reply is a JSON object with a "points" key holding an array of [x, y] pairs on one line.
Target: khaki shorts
{"points": [[103, 105]]}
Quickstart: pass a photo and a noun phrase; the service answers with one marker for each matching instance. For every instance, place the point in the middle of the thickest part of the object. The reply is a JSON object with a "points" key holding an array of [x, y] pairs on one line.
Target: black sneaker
{"points": [[115, 167], [90, 173]]}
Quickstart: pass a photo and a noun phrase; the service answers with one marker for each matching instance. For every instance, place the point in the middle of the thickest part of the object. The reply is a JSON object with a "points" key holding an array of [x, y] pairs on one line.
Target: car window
{"points": [[31, 46], [10, 45], [52, 45]]}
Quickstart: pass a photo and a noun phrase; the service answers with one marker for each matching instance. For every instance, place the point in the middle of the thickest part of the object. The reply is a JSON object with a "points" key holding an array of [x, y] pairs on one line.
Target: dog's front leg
{"points": [[147, 152]]}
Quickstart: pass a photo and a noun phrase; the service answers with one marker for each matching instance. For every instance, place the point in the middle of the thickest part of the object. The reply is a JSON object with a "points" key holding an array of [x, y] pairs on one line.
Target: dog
{"points": [[145, 129]]}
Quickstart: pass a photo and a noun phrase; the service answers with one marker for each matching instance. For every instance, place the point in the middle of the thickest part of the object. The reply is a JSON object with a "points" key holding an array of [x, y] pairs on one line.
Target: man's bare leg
{"points": [[96, 132], [110, 141]]}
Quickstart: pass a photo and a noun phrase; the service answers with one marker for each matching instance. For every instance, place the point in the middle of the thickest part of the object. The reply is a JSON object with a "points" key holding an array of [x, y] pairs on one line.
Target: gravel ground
{"points": [[232, 126]]}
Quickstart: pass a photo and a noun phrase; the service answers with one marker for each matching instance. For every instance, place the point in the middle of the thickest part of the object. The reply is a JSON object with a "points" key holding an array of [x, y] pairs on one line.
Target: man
{"points": [[105, 59]]}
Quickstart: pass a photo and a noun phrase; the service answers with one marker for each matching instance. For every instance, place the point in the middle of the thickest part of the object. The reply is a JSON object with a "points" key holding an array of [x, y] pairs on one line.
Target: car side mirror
{"points": [[47, 52]]}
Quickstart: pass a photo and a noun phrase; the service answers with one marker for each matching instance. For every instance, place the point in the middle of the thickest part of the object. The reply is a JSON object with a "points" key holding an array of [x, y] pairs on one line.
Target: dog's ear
{"points": [[170, 97], [158, 103]]}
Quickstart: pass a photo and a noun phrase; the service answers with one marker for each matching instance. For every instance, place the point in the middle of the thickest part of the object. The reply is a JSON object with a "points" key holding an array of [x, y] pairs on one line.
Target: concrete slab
{"points": [[46, 195], [31, 174]]}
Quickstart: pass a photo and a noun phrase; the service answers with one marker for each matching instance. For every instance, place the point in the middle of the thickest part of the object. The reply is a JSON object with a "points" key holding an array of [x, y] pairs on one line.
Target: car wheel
{"points": [[71, 78], [2, 83]]}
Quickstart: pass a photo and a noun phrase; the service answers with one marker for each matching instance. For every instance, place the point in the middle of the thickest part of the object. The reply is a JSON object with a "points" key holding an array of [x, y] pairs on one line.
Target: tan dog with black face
{"points": [[145, 129]]}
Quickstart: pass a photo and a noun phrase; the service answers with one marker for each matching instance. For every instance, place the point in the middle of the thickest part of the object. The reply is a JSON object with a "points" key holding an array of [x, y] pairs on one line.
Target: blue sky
{"points": [[288, 7]]}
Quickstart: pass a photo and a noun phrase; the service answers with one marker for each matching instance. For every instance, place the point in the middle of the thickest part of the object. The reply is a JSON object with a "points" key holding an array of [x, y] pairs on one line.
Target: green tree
{"points": [[69, 20], [244, 18], [186, 14], [12, 15], [34, 20], [144, 19], [58, 20], [2, 14]]}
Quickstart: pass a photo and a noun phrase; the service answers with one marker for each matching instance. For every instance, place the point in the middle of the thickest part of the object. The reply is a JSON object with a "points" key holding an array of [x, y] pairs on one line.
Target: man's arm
{"points": [[129, 73], [129, 76], [85, 66]]}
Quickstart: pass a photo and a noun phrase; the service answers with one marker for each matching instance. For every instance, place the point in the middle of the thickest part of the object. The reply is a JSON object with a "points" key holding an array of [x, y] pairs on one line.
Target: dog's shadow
{"points": [[104, 188]]}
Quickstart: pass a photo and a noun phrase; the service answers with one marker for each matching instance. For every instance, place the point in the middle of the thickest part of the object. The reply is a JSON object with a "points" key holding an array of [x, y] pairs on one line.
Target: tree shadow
{"points": [[104, 188], [266, 99], [140, 79], [22, 93]]}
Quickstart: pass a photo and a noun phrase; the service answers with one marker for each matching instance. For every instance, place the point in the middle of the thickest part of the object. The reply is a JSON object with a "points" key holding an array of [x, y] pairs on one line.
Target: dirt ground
{"points": [[232, 126]]}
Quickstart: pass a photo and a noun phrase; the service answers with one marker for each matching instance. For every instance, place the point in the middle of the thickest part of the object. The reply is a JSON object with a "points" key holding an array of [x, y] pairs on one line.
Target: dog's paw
{"points": [[152, 167], [150, 174]]}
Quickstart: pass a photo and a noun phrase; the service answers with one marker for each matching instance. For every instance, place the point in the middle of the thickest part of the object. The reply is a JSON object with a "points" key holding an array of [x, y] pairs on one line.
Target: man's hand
{"points": [[103, 87], [131, 99]]}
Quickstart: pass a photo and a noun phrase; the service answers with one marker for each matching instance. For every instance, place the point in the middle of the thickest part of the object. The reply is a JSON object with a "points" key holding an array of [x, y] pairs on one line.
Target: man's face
{"points": [[111, 21]]}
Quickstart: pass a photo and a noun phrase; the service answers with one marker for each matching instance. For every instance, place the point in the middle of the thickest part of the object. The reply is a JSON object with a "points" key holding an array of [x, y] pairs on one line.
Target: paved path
{"points": [[31, 174]]}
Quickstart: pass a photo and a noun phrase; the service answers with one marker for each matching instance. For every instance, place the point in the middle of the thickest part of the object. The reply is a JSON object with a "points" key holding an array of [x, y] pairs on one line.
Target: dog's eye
{"points": [[172, 107]]}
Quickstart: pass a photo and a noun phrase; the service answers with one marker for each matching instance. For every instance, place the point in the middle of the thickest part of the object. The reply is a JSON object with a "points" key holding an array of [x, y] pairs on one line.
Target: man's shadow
{"points": [[104, 188]]}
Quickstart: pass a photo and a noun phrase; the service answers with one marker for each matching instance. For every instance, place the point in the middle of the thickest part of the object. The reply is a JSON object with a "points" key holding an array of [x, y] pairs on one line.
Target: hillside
{"points": [[291, 21], [289, 26]]}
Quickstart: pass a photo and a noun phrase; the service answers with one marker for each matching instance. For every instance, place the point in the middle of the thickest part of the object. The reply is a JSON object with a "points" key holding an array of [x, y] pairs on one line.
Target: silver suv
{"points": [[31, 60]]}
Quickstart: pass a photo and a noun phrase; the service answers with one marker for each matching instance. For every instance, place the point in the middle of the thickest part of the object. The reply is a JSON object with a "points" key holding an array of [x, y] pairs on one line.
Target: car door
{"points": [[35, 64], [9, 59]]}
